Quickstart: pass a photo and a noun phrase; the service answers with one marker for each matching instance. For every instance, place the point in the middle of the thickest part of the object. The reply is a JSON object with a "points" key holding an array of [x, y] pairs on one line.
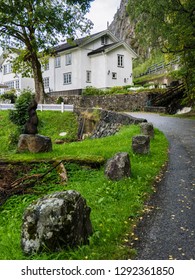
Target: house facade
{"points": [[99, 60], [10, 80]]}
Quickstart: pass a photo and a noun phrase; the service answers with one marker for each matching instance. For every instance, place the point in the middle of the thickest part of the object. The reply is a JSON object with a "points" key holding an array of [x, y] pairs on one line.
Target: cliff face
{"points": [[121, 26]]}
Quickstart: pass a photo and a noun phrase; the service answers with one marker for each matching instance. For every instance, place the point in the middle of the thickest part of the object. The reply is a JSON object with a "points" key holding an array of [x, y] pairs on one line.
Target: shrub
{"points": [[93, 91], [59, 100], [19, 116], [9, 95]]}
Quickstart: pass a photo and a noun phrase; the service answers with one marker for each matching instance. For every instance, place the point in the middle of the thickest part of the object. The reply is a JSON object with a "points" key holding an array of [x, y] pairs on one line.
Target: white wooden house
{"points": [[10, 80], [99, 60]]}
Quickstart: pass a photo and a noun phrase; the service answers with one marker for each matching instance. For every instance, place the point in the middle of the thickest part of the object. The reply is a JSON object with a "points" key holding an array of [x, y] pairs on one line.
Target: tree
{"points": [[33, 27], [170, 26]]}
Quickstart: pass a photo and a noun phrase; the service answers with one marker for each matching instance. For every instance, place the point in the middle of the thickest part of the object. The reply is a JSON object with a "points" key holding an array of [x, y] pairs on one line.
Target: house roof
{"points": [[83, 41], [110, 47], [102, 49]]}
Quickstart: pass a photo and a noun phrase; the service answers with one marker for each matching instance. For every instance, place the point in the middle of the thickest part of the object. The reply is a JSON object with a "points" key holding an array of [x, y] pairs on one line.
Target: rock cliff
{"points": [[121, 26]]}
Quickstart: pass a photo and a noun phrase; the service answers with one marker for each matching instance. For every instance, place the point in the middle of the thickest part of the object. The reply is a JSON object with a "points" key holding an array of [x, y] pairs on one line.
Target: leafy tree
{"points": [[170, 26], [34, 26]]}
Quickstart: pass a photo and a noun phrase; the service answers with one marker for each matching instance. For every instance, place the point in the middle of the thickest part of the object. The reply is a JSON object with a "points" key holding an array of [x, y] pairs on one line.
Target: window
{"points": [[120, 60], [67, 78], [57, 61], [104, 40], [46, 66], [114, 75], [10, 84], [7, 68], [68, 58], [88, 76], [46, 82], [17, 84]]}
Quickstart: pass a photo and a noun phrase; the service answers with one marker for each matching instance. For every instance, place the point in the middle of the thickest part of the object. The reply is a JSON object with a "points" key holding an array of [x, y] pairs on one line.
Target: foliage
{"points": [[140, 66], [169, 26], [60, 100], [93, 91], [113, 90], [19, 116], [9, 95], [116, 206], [39, 25]]}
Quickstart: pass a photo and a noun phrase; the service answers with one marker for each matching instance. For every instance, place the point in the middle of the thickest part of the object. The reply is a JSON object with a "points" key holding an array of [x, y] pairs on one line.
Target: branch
{"points": [[7, 30]]}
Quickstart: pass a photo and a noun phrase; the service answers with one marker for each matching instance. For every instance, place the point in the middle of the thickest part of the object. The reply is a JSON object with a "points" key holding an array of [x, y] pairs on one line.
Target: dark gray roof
{"points": [[102, 49], [74, 43]]}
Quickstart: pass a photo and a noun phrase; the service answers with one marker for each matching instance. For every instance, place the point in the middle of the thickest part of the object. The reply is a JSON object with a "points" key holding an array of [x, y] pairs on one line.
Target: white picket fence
{"points": [[44, 107]]}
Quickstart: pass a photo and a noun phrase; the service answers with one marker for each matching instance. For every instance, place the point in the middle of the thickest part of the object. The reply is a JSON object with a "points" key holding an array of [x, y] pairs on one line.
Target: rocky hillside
{"points": [[124, 29], [121, 26]]}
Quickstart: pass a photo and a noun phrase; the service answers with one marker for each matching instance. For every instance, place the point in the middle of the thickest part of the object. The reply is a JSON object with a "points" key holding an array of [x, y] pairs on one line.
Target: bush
{"points": [[93, 91], [9, 95], [19, 116], [59, 100]]}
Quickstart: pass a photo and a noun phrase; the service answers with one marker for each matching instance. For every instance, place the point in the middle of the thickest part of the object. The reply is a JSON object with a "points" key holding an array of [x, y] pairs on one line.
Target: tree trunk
{"points": [[38, 79]]}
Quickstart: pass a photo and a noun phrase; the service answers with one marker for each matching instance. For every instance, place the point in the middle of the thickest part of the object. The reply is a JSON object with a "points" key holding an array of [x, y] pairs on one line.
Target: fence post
{"points": [[62, 107]]}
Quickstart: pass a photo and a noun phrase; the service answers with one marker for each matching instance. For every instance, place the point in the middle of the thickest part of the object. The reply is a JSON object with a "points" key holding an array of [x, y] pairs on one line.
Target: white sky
{"points": [[101, 12]]}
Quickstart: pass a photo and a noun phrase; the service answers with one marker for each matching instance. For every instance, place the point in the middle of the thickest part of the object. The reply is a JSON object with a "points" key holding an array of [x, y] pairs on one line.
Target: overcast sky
{"points": [[101, 12]]}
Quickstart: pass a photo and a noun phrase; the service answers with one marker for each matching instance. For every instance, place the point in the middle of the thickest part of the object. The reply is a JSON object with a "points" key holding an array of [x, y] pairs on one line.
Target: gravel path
{"points": [[169, 231]]}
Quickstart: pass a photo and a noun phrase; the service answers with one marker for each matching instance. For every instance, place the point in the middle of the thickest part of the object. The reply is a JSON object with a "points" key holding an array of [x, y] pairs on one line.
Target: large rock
{"points": [[141, 144], [118, 167], [147, 129], [55, 222], [110, 123], [34, 143]]}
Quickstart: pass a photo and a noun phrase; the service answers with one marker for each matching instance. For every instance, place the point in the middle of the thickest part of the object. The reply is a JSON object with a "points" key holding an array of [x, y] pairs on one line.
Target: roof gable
{"points": [[84, 41], [110, 47]]}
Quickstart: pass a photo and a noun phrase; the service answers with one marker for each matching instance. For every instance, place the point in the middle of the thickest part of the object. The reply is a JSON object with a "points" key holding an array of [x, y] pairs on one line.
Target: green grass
{"points": [[115, 206]]}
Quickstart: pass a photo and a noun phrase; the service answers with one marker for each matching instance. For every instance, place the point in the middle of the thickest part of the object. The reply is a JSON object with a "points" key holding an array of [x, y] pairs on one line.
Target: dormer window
{"points": [[104, 40]]}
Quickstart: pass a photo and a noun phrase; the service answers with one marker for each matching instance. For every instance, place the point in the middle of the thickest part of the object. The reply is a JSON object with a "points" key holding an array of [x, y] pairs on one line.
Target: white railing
{"points": [[44, 107]]}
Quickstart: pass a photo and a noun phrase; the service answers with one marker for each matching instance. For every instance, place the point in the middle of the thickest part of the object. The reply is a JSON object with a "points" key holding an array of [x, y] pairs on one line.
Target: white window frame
{"points": [[46, 82], [57, 61], [120, 60], [104, 40], [67, 78], [10, 84], [88, 76], [68, 58], [7, 69], [17, 84]]}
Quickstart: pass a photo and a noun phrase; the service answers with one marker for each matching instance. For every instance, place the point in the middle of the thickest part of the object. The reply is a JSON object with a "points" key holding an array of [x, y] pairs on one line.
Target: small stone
{"points": [[59, 141], [141, 144], [118, 167], [147, 129]]}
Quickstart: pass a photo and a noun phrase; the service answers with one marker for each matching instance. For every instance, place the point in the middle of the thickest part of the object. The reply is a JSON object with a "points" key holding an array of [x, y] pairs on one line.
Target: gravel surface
{"points": [[168, 232]]}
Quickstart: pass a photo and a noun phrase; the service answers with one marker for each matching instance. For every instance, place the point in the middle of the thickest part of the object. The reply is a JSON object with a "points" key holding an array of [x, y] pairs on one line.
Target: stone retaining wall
{"points": [[121, 102]]}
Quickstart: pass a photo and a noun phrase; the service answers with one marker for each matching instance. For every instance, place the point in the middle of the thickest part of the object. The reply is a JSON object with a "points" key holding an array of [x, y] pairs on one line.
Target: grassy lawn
{"points": [[115, 206]]}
